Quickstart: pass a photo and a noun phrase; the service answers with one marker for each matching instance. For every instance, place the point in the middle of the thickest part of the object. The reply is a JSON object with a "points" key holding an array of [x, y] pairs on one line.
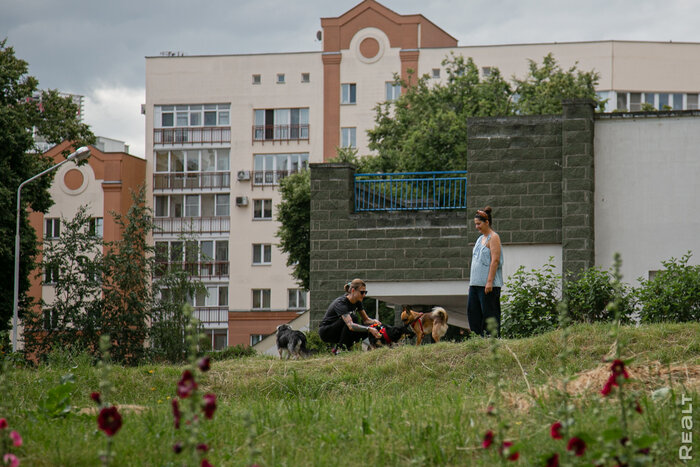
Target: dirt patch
{"points": [[137, 409]]}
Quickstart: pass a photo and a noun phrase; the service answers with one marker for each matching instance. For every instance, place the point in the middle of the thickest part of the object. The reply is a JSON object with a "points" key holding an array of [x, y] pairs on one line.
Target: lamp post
{"points": [[77, 156]]}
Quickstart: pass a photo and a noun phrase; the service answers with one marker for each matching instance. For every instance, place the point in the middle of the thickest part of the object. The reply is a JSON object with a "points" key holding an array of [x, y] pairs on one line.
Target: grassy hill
{"points": [[402, 406]]}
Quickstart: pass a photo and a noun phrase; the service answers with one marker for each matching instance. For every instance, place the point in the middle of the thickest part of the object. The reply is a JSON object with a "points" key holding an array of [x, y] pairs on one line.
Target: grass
{"points": [[403, 406]]}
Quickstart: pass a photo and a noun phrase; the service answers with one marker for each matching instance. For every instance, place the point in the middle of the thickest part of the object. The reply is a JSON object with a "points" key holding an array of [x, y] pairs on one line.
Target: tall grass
{"points": [[402, 406]]}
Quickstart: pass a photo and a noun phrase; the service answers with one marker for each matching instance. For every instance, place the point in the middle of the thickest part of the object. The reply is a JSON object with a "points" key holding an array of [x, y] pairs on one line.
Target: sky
{"points": [[97, 48]]}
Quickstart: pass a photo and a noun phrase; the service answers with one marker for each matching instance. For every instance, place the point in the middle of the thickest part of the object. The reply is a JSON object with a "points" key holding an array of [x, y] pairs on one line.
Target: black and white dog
{"points": [[291, 342]]}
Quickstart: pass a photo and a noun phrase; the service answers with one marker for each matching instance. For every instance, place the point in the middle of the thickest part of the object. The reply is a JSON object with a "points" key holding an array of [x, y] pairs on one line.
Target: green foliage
{"points": [[233, 352], [648, 107], [57, 403], [673, 294], [55, 119], [315, 345], [294, 216], [544, 88], [530, 306], [589, 294]]}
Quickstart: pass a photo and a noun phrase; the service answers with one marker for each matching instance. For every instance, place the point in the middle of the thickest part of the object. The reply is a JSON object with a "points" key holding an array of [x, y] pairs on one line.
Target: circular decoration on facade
{"points": [[73, 179], [369, 47]]}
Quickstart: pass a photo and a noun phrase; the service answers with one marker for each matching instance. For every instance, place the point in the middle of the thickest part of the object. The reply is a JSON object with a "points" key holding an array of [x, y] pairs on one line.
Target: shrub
{"points": [[673, 294], [530, 306], [314, 344], [236, 351], [588, 296]]}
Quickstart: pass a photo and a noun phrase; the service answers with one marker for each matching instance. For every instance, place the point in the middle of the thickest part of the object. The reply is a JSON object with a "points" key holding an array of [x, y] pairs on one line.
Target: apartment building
{"points": [[223, 130]]}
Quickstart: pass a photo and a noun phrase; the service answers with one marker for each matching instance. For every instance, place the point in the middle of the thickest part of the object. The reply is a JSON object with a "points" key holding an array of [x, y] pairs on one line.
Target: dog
{"points": [[291, 342], [390, 335], [433, 323]]}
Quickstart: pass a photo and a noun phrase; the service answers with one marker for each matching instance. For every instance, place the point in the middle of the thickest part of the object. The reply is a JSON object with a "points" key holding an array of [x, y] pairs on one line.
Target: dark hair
{"points": [[484, 215], [354, 284]]}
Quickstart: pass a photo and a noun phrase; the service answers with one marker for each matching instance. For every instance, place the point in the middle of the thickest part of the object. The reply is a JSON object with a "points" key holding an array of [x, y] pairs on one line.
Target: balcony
{"points": [[192, 180], [195, 225], [285, 132], [201, 269], [212, 316], [203, 135]]}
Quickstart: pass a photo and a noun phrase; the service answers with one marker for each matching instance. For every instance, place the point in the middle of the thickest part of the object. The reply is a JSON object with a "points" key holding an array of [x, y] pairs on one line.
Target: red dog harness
{"points": [[420, 322]]}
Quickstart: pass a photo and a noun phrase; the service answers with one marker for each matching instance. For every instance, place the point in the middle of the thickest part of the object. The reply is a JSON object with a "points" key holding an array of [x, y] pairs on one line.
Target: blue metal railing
{"points": [[410, 191]]}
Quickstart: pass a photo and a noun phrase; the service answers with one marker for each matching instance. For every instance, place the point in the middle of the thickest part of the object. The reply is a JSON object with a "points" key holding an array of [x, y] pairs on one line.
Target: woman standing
{"points": [[486, 278]]}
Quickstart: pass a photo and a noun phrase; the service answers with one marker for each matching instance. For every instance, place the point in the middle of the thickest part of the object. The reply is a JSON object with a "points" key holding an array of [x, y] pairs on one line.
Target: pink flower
{"points": [[204, 364], [3, 423], [10, 459], [176, 413], [16, 439], [618, 371], [553, 460], [186, 385], [512, 456], [205, 463], [488, 439], [209, 405], [109, 420], [555, 430], [577, 445], [95, 396]]}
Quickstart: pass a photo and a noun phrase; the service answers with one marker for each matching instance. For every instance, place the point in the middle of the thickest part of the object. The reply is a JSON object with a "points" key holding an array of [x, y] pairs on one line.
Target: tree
{"points": [[294, 216], [56, 119]]}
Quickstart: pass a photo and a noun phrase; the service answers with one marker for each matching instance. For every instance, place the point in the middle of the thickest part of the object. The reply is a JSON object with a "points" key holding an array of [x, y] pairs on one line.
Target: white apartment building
{"points": [[221, 131]]}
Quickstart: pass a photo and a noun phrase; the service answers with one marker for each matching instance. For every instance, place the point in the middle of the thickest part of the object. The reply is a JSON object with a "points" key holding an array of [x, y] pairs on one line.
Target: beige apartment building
{"points": [[221, 131]]}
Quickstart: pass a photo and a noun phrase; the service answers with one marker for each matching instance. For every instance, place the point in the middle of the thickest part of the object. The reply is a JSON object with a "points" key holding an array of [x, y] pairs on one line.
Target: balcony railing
{"points": [[211, 315], [201, 269], [411, 191], [286, 132], [192, 135], [196, 225], [194, 180], [270, 177]]}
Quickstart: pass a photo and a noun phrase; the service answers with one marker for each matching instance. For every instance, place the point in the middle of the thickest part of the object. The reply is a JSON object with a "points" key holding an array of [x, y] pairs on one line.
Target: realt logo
{"points": [[685, 452]]}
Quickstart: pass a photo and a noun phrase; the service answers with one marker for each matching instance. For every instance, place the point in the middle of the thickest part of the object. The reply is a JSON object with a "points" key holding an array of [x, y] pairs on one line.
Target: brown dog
{"points": [[434, 323]]}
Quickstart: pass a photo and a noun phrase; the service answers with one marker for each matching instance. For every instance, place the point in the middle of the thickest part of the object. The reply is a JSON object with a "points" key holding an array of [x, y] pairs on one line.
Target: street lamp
{"points": [[79, 155]]}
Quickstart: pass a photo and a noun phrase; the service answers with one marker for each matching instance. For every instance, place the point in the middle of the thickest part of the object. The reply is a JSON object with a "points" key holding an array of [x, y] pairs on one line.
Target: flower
{"points": [[95, 396], [177, 447], [555, 430], [617, 370], [10, 459], [205, 463], [202, 447], [176, 413], [109, 420], [186, 385], [577, 445], [512, 456], [209, 405], [3, 423], [553, 460], [204, 364], [490, 410], [638, 407], [488, 439], [16, 439]]}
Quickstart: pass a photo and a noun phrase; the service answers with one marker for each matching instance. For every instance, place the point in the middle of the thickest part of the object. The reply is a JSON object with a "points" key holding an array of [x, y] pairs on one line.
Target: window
{"points": [[297, 298], [280, 78], [664, 103], [347, 137], [96, 227], [50, 319], [621, 101], [270, 168], [52, 228], [51, 274], [649, 98], [262, 209], [191, 115], [436, 73], [635, 101], [281, 124], [191, 206], [255, 338], [306, 77], [161, 203], [220, 340], [692, 101], [678, 102], [393, 91], [262, 253], [257, 79], [261, 299], [222, 205], [486, 71], [348, 93], [223, 295]]}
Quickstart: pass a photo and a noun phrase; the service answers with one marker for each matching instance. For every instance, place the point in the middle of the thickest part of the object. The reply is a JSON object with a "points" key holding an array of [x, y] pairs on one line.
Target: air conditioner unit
{"points": [[241, 201], [243, 175]]}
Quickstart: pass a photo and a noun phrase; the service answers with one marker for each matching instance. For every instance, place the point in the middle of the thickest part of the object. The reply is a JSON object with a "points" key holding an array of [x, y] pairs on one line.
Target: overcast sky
{"points": [[96, 48]]}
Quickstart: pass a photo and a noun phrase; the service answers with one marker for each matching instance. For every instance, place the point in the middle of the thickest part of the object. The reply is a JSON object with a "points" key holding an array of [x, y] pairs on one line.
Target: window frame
{"points": [[348, 93], [264, 253], [263, 202], [263, 296], [348, 137]]}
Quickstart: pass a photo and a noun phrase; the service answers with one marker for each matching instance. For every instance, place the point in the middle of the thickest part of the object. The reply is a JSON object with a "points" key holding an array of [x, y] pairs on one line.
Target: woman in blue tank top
{"points": [[486, 277]]}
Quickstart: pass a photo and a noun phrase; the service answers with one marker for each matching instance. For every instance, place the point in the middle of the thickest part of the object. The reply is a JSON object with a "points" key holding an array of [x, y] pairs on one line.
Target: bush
{"points": [[315, 345], [236, 351], [673, 295], [588, 296], [530, 306]]}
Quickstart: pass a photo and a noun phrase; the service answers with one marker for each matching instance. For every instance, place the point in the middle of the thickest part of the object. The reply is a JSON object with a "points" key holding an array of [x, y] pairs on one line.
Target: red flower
{"points": [[577, 445], [204, 364], [186, 385], [488, 439], [176, 413], [638, 407], [3, 423], [209, 405], [512, 456], [109, 420], [202, 447], [608, 386], [553, 460], [490, 410], [205, 463], [617, 370], [16, 439], [95, 396], [177, 447], [555, 430]]}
